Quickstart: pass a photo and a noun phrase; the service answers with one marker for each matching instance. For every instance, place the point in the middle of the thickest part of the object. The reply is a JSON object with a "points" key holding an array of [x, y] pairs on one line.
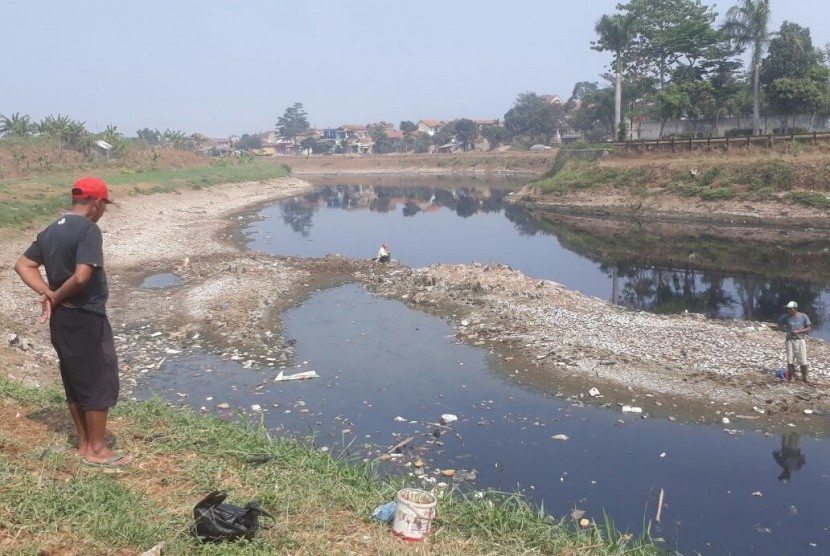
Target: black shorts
{"points": [[86, 350]]}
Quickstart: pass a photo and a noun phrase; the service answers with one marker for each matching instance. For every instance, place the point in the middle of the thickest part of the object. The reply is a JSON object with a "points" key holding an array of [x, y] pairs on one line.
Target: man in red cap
{"points": [[74, 299]]}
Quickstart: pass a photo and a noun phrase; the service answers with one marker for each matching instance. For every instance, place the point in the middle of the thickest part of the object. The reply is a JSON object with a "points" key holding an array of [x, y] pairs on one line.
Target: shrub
{"points": [[717, 194], [776, 174], [810, 198]]}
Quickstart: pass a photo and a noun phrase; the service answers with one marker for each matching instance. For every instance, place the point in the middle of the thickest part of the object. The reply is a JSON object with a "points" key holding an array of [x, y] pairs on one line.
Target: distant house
{"points": [[334, 134], [552, 99], [430, 127], [358, 132], [486, 123]]}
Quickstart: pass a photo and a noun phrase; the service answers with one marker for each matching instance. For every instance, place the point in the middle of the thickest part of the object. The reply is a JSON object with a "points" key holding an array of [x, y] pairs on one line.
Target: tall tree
{"points": [[534, 118], [614, 35], [669, 35], [747, 24], [790, 54], [293, 122]]}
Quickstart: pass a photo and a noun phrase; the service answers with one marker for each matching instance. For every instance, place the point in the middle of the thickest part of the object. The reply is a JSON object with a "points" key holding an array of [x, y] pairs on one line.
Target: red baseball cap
{"points": [[90, 188]]}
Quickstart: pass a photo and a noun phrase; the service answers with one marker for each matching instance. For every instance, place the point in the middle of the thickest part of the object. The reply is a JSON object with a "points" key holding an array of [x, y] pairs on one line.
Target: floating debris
{"points": [[296, 376]]}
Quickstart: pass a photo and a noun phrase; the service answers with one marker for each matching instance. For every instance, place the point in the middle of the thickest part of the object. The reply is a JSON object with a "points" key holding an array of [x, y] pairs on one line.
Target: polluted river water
{"points": [[388, 373]]}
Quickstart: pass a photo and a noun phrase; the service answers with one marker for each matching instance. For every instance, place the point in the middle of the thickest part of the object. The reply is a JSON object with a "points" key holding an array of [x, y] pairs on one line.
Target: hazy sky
{"points": [[234, 66]]}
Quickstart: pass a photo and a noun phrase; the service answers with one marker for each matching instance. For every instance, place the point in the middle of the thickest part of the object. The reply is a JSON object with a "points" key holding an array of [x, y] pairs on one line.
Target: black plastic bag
{"points": [[216, 521]]}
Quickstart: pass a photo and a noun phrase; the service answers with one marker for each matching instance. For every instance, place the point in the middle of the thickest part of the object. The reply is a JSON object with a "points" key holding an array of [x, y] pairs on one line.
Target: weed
{"points": [[717, 194], [810, 198]]}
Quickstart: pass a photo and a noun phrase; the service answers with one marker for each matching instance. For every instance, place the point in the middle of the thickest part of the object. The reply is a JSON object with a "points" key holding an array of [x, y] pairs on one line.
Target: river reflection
{"points": [[722, 272]]}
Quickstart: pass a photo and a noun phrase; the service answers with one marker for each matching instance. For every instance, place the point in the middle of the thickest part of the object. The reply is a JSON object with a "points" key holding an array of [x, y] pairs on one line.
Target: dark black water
{"points": [[379, 360], [636, 266]]}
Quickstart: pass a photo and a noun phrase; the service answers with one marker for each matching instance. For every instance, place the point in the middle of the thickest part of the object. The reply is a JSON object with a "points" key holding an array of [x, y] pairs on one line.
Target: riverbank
{"points": [[788, 186], [52, 504]]}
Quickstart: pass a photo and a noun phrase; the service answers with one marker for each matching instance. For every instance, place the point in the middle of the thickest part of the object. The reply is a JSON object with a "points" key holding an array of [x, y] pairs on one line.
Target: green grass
{"points": [[52, 501], [35, 200], [810, 198], [714, 183]]}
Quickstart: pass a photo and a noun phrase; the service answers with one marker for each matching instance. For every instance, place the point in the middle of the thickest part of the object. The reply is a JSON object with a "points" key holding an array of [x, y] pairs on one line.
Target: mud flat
{"points": [[554, 338]]}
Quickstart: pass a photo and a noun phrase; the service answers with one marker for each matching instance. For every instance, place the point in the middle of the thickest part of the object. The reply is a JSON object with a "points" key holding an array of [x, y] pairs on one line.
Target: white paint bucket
{"points": [[414, 511]]}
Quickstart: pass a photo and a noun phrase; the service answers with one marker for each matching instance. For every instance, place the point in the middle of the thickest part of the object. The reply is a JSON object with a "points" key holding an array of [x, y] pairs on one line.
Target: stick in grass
{"points": [[659, 506]]}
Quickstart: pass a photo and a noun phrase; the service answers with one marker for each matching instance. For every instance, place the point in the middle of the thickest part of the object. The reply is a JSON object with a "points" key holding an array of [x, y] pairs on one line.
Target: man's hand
{"points": [[46, 301]]}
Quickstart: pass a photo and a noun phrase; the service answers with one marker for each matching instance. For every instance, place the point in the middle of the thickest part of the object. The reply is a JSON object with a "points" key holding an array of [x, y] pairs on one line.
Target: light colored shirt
{"points": [[794, 322]]}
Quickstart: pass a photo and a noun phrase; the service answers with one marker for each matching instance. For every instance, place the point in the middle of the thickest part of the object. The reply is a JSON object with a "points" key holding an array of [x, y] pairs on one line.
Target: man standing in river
{"points": [[74, 302], [797, 326]]}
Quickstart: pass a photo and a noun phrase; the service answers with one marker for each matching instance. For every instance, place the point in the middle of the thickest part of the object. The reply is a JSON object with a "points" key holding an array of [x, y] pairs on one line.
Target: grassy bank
{"points": [[53, 503], [802, 178], [32, 200]]}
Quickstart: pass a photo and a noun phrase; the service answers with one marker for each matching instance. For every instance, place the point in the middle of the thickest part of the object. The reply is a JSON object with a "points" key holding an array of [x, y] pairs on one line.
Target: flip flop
{"points": [[111, 462]]}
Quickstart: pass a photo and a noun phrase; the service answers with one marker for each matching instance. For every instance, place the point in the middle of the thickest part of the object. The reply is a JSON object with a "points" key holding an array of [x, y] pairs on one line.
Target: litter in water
{"points": [[296, 376]]}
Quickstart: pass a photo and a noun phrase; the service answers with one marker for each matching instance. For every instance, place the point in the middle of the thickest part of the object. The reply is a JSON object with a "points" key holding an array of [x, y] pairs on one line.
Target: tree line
{"points": [[69, 134], [671, 61]]}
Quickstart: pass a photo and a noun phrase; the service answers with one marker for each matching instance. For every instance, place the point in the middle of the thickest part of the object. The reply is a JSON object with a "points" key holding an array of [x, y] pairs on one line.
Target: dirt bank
{"points": [[518, 163], [682, 367], [783, 187]]}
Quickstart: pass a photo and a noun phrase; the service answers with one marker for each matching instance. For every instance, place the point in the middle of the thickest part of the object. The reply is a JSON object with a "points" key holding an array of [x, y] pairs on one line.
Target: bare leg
{"points": [[78, 419], [96, 428]]}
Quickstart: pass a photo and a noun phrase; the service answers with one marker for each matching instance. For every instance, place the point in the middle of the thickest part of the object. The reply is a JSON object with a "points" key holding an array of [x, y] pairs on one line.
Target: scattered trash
{"points": [[562, 437], [401, 444], [400, 419], [659, 506], [384, 513], [155, 551], [593, 392], [757, 494], [782, 374], [448, 472], [413, 514], [631, 409], [256, 407], [663, 454], [576, 515], [224, 405], [296, 376], [808, 412], [725, 420], [171, 351], [448, 418], [758, 410], [584, 522]]}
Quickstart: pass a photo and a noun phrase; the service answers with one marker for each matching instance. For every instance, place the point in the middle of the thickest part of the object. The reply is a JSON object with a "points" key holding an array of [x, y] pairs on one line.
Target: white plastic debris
{"points": [[808, 412], [256, 407], [631, 409], [725, 420], [562, 437], [400, 419], [593, 392], [296, 376], [448, 418]]}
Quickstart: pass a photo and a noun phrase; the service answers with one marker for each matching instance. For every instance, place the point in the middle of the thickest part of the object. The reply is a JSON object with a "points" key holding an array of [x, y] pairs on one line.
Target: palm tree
{"points": [[747, 24], [16, 125], [614, 33], [55, 127]]}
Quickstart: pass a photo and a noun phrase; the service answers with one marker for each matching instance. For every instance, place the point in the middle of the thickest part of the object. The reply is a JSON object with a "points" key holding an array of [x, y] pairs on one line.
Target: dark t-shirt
{"points": [[73, 239]]}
